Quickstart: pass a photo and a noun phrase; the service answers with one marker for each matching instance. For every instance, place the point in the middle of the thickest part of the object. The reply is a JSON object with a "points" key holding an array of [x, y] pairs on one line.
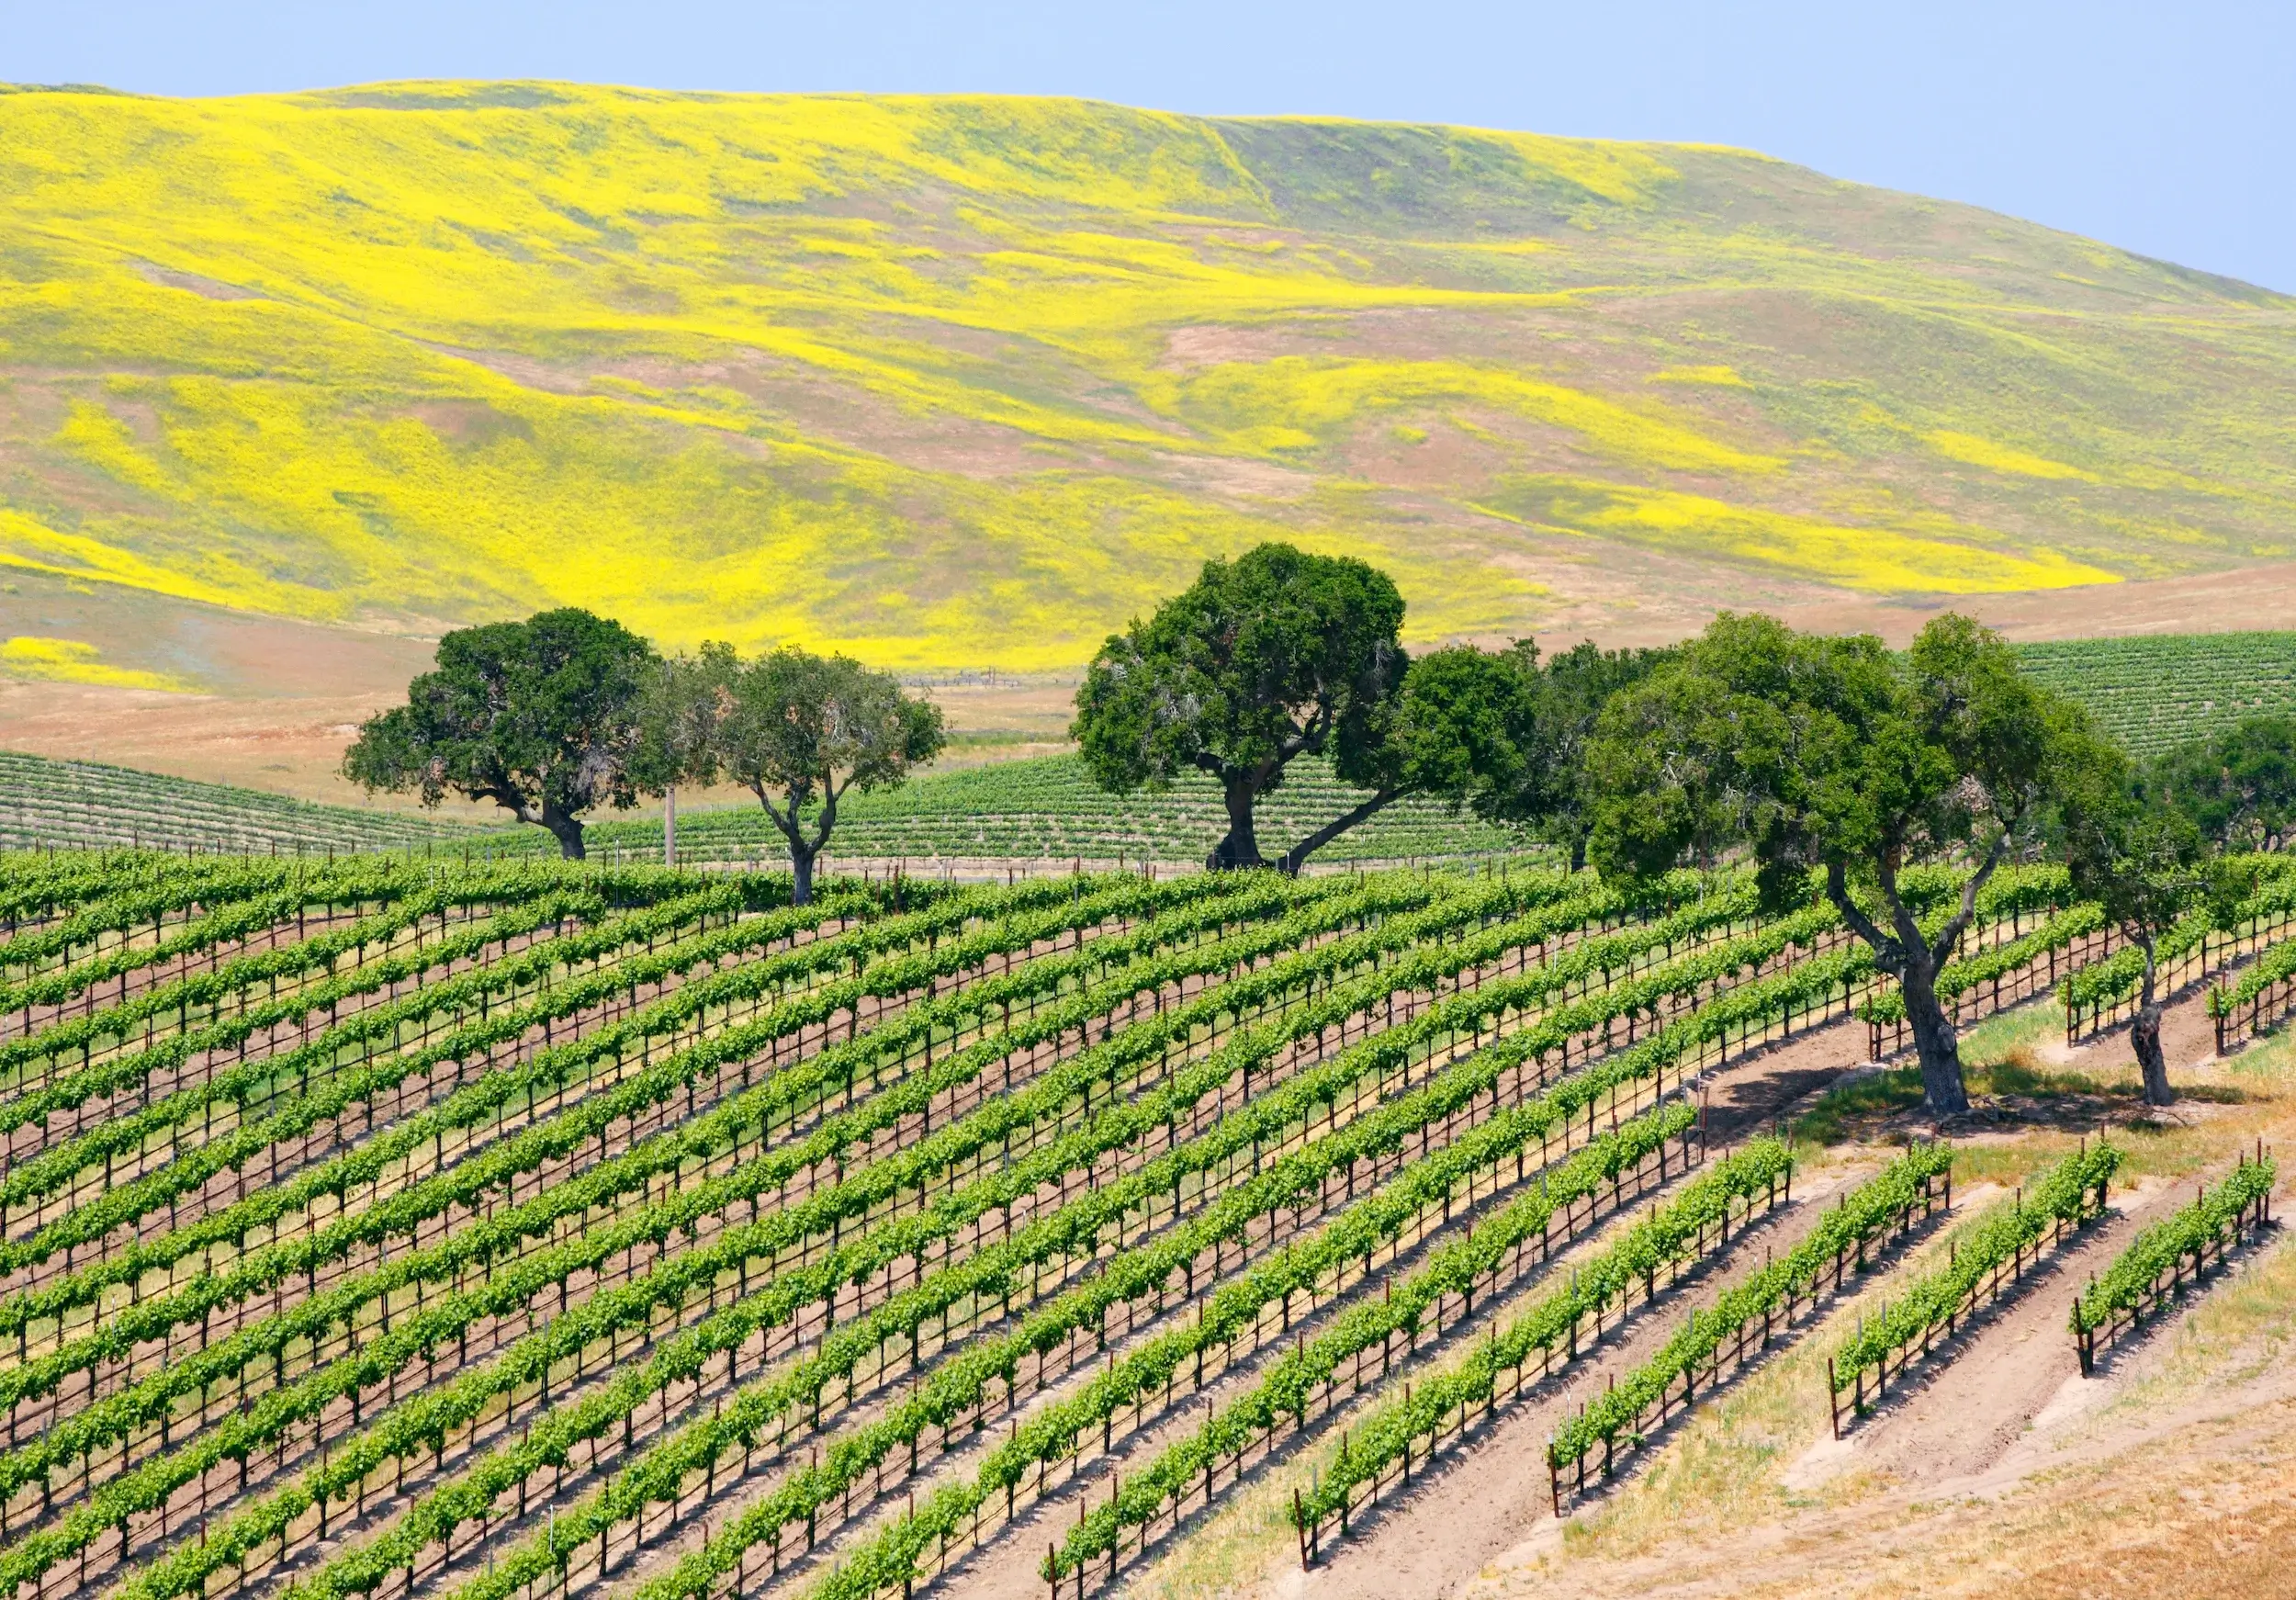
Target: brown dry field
{"points": [[281, 699], [2001, 1472]]}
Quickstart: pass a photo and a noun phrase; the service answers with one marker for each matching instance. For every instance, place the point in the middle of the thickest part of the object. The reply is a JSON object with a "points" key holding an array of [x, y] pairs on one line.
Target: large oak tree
{"points": [[1275, 655], [1281, 654], [538, 717], [1833, 755]]}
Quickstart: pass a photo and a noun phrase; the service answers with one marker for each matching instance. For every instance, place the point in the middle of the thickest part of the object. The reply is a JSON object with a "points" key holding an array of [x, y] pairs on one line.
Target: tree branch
{"points": [[1888, 954], [830, 794], [786, 823], [1911, 946], [512, 800], [1297, 856], [1950, 935], [1310, 738]]}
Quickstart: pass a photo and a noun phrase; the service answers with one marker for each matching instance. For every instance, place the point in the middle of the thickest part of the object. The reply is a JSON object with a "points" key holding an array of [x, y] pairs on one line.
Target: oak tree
{"points": [[1574, 687], [2143, 861], [1275, 655], [1833, 757], [799, 731], [538, 717], [1464, 731]]}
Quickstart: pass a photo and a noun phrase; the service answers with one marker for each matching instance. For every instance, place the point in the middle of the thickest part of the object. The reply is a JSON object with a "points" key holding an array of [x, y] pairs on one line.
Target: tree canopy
{"points": [[538, 717], [1831, 756], [1574, 687], [1464, 729], [1272, 656], [796, 730], [2237, 786]]}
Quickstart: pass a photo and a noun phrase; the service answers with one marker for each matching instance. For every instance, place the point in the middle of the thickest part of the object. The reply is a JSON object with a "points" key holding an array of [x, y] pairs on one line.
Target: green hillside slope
{"points": [[2158, 689], [971, 381]]}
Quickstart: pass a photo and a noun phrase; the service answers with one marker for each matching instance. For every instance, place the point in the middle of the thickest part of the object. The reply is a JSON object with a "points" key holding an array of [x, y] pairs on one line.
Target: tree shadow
{"points": [[2017, 1093]]}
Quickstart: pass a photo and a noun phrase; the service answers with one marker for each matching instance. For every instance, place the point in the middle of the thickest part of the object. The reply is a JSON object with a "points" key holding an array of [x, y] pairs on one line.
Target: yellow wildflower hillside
{"points": [[971, 381]]}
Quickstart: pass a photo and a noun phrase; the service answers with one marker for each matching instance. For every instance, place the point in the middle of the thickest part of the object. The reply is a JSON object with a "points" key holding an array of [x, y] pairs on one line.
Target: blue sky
{"points": [[2166, 128]]}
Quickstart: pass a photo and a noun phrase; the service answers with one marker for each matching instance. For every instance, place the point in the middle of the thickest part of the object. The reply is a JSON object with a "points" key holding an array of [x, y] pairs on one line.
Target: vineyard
{"points": [[2152, 691], [2158, 690], [390, 1225], [84, 805], [1048, 809], [1031, 811]]}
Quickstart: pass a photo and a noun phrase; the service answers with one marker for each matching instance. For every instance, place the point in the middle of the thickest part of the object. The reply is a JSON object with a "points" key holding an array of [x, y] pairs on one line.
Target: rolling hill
{"points": [[969, 381]]}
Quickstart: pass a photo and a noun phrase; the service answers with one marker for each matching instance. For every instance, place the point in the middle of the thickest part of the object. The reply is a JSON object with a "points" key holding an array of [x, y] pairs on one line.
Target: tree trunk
{"points": [[1915, 962], [802, 851], [1240, 848], [1578, 852], [568, 830], [2145, 1036], [1933, 1041]]}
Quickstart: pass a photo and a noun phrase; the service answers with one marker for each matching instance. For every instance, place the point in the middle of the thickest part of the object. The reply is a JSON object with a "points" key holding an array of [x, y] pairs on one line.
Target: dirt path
{"points": [[1485, 1500], [1491, 1505], [1979, 1395], [1967, 1428], [2134, 1484], [1747, 1097], [1997, 1457]]}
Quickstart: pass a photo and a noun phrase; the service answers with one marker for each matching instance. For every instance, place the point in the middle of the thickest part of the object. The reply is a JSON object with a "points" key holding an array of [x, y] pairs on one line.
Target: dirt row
{"points": [[1978, 1422]]}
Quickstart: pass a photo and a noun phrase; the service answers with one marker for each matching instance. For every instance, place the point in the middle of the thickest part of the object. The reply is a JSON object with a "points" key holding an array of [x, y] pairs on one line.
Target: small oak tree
{"points": [[1272, 656], [2143, 862], [1833, 755], [796, 730], [539, 716], [1574, 687]]}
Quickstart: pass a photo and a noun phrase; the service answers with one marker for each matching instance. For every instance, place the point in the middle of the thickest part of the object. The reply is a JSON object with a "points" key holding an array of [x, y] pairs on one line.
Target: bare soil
{"points": [[2204, 603], [1970, 1405], [2010, 1475], [278, 702]]}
